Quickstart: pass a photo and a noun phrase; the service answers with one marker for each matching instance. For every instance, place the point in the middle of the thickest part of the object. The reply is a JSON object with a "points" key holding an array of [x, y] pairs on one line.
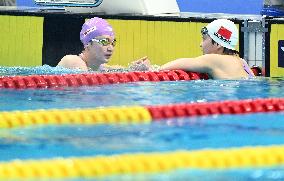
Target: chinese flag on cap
{"points": [[225, 32]]}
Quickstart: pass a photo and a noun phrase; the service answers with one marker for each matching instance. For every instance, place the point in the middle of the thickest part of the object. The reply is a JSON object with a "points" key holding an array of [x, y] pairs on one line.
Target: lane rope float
{"points": [[92, 79], [137, 114], [101, 166]]}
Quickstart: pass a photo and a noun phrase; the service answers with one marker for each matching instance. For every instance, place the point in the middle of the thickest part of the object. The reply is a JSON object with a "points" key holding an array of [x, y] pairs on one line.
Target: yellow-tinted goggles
{"points": [[104, 41]]}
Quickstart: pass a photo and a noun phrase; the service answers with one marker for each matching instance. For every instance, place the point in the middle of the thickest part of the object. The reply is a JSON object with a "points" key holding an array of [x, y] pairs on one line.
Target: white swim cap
{"points": [[224, 32]]}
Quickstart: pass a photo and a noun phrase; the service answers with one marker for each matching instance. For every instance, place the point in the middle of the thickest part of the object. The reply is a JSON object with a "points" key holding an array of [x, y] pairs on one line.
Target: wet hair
{"points": [[227, 51]]}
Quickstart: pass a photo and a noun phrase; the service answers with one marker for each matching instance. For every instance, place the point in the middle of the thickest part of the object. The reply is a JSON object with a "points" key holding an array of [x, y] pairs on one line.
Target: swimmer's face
{"points": [[101, 48], [207, 46]]}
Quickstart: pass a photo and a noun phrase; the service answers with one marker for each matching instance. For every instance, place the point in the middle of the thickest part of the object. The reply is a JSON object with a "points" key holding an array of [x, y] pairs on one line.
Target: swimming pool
{"points": [[121, 151]]}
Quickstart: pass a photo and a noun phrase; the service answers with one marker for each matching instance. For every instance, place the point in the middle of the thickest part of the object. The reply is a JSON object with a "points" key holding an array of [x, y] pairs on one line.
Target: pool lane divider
{"points": [[144, 163], [136, 114], [92, 79], [110, 115]]}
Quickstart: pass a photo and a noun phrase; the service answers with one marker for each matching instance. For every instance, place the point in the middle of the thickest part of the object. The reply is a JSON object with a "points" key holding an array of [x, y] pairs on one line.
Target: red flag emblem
{"points": [[225, 33]]}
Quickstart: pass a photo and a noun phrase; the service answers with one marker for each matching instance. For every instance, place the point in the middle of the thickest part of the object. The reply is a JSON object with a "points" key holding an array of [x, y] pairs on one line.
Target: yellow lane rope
{"points": [[110, 115], [101, 166]]}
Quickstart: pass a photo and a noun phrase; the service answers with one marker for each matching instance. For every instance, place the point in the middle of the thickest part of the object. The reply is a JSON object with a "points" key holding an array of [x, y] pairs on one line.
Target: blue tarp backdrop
{"points": [[205, 6], [221, 6], [25, 3]]}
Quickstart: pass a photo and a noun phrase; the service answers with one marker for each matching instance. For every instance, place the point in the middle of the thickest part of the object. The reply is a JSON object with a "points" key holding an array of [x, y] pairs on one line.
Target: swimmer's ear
{"points": [[219, 46], [87, 47]]}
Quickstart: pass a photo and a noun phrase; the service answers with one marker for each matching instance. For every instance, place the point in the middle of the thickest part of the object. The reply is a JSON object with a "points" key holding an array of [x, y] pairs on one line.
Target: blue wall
{"points": [[29, 3], [221, 6], [206, 6]]}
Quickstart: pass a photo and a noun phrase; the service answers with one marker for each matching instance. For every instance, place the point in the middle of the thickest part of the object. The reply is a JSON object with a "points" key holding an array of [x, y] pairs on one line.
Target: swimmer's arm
{"points": [[142, 64], [73, 62], [200, 64], [246, 64]]}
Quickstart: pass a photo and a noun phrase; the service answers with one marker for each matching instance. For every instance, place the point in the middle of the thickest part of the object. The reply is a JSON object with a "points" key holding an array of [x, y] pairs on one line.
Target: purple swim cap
{"points": [[93, 28]]}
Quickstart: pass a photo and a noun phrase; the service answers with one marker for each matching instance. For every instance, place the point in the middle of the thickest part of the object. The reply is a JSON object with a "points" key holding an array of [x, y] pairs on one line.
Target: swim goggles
{"points": [[104, 41], [204, 31]]}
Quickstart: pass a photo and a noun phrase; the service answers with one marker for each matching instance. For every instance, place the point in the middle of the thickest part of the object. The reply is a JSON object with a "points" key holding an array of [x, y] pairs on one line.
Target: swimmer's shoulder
{"points": [[70, 59], [73, 62]]}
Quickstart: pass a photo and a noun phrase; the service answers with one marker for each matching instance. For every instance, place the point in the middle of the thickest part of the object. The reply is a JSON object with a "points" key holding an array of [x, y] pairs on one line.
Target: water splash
{"points": [[38, 70], [48, 70]]}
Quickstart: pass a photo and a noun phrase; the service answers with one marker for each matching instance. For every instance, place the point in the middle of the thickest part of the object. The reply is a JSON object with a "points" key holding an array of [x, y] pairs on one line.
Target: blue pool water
{"points": [[166, 135], [140, 93]]}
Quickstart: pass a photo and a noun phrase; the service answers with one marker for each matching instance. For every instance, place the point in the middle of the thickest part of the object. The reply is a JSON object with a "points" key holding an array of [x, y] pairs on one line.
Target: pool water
{"points": [[163, 136], [42, 142], [140, 93], [166, 135], [38, 70]]}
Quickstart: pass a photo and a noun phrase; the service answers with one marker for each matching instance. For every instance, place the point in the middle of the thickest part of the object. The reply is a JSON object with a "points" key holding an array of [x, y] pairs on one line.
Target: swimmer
{"points": [[99, 42], [220, 60]]}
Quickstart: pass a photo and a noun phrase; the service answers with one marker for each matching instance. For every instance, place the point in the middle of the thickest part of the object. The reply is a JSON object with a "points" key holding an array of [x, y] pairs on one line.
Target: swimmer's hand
{"points": [[142, 64], [111, 68]]}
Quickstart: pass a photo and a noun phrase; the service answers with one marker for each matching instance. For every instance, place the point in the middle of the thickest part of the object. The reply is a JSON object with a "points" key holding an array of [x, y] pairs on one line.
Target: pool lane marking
{"points": [[109, 115], [143, 163], [137, 114]]}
